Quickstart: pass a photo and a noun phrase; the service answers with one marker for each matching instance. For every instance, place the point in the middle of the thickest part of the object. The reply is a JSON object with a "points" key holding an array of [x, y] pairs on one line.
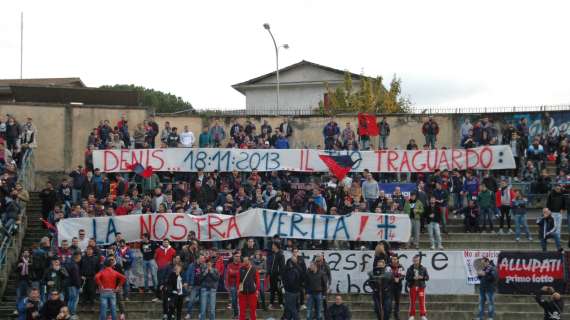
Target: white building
{"points": [[301, 88]]}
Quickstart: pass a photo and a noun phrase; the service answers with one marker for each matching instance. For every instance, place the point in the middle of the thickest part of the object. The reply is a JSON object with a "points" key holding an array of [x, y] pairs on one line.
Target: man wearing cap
{"points": [[488, 278]]}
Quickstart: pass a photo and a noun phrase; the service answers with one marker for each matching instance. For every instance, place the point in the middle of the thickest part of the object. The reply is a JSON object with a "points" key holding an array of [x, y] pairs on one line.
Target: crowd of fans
{"points": [[15, 140], [182, 274]]}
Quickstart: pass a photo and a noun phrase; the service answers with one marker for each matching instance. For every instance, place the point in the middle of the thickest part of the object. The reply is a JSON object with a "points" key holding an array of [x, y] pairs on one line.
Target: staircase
{"points": [[34, 232]]}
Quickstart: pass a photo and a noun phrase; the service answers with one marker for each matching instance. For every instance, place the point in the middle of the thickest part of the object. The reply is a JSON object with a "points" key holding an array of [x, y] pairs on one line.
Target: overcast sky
{"points": [[448, 53]]}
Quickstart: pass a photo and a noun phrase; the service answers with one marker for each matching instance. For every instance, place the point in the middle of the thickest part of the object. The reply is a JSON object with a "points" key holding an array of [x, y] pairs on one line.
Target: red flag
{"points": [[48, 225], [147, 172], [367, 125]]}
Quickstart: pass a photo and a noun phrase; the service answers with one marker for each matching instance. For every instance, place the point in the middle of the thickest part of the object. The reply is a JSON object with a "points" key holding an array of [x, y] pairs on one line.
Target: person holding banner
{"points": [[416, 277], [488, 278]]}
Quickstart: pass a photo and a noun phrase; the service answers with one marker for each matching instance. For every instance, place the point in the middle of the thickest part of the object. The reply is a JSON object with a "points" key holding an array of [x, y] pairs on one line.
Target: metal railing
{"points": [[6, 243], [27, 172], [308, 110]]}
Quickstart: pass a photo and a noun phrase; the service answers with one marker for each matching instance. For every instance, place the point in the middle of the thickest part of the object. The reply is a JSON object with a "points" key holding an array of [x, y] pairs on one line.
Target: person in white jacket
{"points": [[187, 138]]}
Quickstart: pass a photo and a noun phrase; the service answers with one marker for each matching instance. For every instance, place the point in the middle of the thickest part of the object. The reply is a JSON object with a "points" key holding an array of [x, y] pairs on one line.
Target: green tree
{"points": [[372, 97], [160, 101]]}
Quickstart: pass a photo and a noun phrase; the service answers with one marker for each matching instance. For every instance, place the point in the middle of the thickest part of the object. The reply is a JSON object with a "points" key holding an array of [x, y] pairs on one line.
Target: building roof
{"points": [[239, 86], [52, 82]]}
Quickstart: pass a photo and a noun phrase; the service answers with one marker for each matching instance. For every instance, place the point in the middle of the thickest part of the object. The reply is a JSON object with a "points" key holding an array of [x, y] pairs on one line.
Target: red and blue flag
{"points": [[140, 170], [339, 166]]}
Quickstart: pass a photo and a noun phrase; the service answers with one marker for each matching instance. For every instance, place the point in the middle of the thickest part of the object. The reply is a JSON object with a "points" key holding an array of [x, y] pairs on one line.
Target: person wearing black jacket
{"points": [[381, 280], [49, 197], [51, 307], [315, 284], [556, 203], [175, 292], [399, 273], [149, 265], [488, 279], [89, 266], [416, 278], [338, 311], [74, 281], [553, 306], [291, 277], [303, 270], [547, 229], [275, 268]]}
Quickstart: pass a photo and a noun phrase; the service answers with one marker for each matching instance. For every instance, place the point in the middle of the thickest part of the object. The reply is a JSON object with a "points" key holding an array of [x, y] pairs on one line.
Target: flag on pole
{"points": [[367, 125], [339, 166]]}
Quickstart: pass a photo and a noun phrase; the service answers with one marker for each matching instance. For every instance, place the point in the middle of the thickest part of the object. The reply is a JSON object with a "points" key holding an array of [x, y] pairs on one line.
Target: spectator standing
{"points": [[205, 139], [292, 277], [381, 281], [384, 133], [175, 292], [348, 133], [89, 267], [52, 306], [465, 128], [231, 282], [79, 180], [173, 139], [399, 273], [414, 209], [24, 268], [187, 138], [504, 198], [416, 277], [165, 132], [248, 279], [281, 142], [109, 282], [148, 249], [208, 285], [488, 279], [152, 132], [73, 269], [430, 130], [331, 132], [163, 256], [519, 211], [370, 191], [276, 265], [287, 129], [217, 135], [547, 229], [556, 203], [48, 197], [433, 218], [315, 283], [487, 206], [55, 278]]}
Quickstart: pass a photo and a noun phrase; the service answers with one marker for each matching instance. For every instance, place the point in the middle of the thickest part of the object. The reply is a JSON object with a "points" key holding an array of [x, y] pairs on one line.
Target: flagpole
{"points": [[21, 44]]}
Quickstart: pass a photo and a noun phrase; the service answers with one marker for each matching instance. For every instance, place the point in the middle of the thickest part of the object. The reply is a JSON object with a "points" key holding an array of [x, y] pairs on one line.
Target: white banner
{"points": [[305, 160], [349, 270], [252, 223], [472, 261]]}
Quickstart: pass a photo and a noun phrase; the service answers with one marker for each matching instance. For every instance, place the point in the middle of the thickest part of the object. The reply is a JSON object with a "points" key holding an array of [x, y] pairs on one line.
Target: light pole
{"points": [[284, 46]]}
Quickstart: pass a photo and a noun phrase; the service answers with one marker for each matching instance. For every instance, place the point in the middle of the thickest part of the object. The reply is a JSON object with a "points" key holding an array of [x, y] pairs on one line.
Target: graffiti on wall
{"points": [[546, 123]]}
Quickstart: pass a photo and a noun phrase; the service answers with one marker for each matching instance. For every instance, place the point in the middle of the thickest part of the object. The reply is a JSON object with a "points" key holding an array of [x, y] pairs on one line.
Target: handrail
{"points": [[6, 242], [26, 174]]}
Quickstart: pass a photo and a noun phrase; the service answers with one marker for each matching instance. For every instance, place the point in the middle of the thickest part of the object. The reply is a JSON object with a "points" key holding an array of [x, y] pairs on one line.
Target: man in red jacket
{"points": [[109, 282], [163, 257], [232, 281], [248, 279]]}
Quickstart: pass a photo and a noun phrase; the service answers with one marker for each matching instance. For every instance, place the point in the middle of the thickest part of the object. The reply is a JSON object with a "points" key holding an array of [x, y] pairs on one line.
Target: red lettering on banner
{"points": [[232, 224], [107, 168], [145, 227], [430, 167], [422, 167], [165, 223], [405, 161], [124, 161], [156, 155], [443, 159], [302, 156], [455, 155], [213, 225], [198, 221], [392, 156], [307, 162], [181, 226], [486, 150], [379, 153], [471, 151]]}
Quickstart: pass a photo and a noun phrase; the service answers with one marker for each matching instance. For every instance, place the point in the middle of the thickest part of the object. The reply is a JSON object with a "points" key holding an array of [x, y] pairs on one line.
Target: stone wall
{"points": [[63, 129]]}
